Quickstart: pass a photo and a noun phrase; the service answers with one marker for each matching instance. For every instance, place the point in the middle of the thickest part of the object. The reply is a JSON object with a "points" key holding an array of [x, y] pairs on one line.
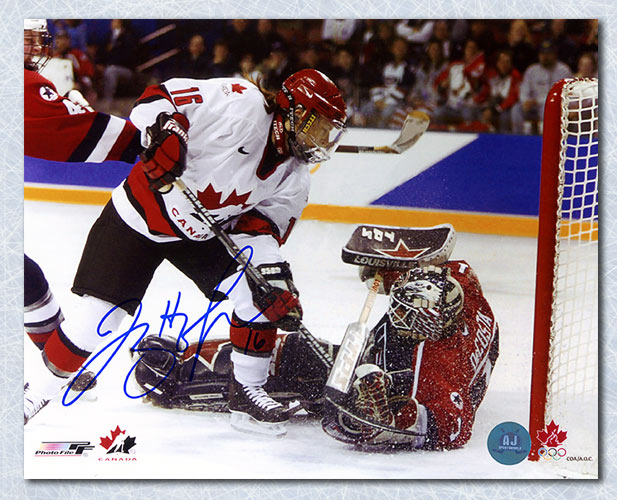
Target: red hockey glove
{"points": [[164, 159], [280, 305]]}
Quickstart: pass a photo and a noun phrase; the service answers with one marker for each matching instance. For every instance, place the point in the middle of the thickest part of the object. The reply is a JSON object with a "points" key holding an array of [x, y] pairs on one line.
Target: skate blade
{"points": [[245, 423]]}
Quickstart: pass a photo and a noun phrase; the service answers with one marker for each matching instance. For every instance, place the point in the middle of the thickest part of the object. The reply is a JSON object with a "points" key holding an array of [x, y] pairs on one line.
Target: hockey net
{"points": [[564, 391]]}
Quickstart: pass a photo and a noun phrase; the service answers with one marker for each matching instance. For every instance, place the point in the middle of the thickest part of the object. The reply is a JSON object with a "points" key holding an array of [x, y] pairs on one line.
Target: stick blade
{"points": [[414, 127]]}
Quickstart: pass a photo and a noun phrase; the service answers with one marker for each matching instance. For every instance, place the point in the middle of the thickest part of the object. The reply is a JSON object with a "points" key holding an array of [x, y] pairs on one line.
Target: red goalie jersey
{"points": [[434, 387], [58, 129]]}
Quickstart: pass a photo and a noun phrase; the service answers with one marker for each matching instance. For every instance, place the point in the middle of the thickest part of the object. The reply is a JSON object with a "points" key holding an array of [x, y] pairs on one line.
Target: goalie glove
{"points": [[280, 305], [164, 159], [372, 401]]}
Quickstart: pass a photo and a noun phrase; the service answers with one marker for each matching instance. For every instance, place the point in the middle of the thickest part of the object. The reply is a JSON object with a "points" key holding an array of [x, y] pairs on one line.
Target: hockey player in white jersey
{"points": [[243, 152]]}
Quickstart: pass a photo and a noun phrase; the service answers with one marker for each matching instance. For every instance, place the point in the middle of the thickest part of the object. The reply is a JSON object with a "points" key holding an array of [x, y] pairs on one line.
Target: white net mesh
{"points": [[572, 397]]}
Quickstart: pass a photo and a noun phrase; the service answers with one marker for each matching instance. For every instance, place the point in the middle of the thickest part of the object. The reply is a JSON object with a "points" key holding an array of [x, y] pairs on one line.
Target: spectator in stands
{"points": [[222, 63], [441, 34], [417, 33], [587, 66], [461, 85], [424, 95], [265, 37], [589, 40], [83, 68], [503, 90], [520, 44], [76, 30], [239, 38], [118, 57], [193, 62], [396, 81], [339, 31], [248, 69], [480, 33], [277, 66], [376, 53], [310, 57], [344, 74], [567, 50], [537, 82]]}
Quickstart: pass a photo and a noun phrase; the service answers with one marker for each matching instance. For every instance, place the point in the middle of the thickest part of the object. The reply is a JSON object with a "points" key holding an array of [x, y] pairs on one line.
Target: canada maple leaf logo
{"points": [[114, 444], [211, 199], [106, 442], [236, 87], [551, 436]]}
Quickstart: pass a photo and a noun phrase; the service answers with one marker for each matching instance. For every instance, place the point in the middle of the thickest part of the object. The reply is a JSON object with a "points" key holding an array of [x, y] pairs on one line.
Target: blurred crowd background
{"points": [[468, 75]]}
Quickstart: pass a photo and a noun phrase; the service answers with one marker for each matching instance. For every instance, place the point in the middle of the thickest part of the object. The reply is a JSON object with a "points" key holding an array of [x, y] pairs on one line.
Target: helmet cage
{"points": [[425, 304], [37, 44]]}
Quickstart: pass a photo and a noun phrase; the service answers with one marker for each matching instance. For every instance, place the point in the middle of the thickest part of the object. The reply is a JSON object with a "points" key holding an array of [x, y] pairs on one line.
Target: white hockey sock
{"points": [[250, 370], [41, 381], [80, 326]]}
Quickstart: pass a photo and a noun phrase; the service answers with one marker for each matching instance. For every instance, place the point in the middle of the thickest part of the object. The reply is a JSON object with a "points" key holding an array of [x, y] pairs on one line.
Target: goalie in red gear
{"points": [[422, 377]]}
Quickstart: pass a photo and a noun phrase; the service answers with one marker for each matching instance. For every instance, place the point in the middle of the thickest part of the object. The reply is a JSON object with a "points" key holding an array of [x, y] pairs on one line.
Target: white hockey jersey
{"points": [[231, 165]]}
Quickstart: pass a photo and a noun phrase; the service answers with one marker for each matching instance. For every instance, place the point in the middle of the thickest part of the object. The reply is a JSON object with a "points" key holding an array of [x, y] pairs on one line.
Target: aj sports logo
{"points": [[118, 442], [552, 438], [509, 443], [64, 449]]}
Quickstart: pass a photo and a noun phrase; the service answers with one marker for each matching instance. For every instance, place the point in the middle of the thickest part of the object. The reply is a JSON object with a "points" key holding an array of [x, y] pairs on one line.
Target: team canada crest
{"points": [[551, 436], [118, 441]]}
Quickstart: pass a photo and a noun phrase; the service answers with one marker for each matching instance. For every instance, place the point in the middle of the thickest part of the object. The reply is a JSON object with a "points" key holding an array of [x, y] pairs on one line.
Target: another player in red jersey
{"points": [[421, 379], [60, 129]]}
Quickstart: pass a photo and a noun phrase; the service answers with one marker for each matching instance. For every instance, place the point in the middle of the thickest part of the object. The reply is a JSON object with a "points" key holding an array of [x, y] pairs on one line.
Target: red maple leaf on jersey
{"points": [[211, 199], [107, 442], [551, 436], [236, 87]]}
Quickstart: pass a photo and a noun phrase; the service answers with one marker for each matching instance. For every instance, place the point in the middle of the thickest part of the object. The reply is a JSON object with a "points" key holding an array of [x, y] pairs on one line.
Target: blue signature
{"points": [[168, 318]]}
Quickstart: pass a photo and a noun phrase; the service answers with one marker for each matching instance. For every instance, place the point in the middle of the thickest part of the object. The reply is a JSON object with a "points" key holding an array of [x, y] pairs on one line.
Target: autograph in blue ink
{"points": [[204, 324]]}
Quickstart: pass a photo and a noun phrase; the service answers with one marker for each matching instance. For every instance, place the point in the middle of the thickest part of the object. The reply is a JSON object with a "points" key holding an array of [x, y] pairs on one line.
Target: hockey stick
{"points": [[414, 126], [251, 271]]}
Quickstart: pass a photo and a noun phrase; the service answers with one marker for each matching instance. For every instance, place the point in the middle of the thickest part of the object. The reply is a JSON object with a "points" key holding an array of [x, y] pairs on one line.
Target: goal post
{"points": [[563, 421]]}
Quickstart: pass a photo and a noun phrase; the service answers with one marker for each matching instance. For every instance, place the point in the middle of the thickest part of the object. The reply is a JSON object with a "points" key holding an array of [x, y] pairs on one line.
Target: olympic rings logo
{"points": [[552, 453]]}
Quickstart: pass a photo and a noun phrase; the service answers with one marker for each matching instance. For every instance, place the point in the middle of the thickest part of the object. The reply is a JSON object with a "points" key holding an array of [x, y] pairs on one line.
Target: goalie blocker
{"points": [[422, 375]]}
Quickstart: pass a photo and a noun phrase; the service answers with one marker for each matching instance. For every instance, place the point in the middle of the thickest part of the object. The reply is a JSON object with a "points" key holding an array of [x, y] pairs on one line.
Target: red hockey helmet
{"points": [[316, 112], [37, 44]]}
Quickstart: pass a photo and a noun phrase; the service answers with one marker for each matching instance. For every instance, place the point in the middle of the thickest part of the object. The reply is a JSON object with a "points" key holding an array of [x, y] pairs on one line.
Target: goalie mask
{"points": [[37, 44], [425, 303], [316, 113]]}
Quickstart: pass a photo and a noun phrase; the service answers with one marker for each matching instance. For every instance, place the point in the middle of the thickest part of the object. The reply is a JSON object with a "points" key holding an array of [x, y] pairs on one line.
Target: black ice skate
{"points": [[253, 410], [33, 403]]}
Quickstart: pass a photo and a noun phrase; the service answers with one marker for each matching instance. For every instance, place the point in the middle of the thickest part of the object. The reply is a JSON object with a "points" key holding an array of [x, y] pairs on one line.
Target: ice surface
{"points": [[183, 444]]}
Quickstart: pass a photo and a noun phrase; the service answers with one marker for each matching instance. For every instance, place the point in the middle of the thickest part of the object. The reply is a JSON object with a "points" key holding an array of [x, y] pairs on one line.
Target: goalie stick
{"points": [[414, 126], [251, 271]]}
